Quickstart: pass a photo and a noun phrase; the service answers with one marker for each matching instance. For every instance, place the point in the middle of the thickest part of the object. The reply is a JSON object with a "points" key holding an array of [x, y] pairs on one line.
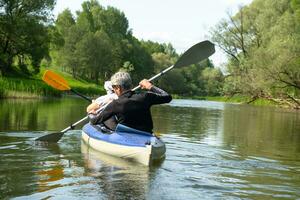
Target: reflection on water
{"points": [[47, 114], [117, 177], [214, 151]]}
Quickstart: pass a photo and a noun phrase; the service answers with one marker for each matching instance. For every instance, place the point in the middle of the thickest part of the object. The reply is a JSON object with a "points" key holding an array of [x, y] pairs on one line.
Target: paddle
{"points": [[193, 55], [59, 83]]}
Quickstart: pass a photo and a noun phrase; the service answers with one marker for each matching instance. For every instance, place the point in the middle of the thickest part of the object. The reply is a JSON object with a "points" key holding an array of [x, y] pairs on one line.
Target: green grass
{"points": [[263, 102], [234, 99], [82, 86], [34, 87], [25, 88]]}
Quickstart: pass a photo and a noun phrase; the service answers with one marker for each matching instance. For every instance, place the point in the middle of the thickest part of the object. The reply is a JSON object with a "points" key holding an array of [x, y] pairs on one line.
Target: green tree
{"points": [[140, 59], [153, 47], [213, 81], [68, 59], [174, 82], [96, 35], [64, 22], [23, 34], [161, 61], [95, 55], [267, 65]]}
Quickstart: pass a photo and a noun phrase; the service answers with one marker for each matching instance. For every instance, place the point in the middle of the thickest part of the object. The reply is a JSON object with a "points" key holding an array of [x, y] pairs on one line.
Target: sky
{"points": [[182, 23]]}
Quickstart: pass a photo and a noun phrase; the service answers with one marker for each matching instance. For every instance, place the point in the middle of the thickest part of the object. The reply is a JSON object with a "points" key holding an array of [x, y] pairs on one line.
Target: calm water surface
{"points": [[214, 151]]}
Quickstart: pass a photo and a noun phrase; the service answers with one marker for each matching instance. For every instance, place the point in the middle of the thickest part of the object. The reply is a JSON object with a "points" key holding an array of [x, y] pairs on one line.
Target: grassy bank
{"points": [[80, 85], [25, 88], [34, 87], [242, 99], [234, 99]]}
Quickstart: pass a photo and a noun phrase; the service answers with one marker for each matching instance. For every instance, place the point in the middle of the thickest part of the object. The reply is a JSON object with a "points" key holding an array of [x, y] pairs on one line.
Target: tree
{"points": [[64, 22], [213, 81], [23, 33], [153, 47], [68, 57], [95, 53], [161, 61], [140, 59], [267, 65], [174, 82], [95, 43]]}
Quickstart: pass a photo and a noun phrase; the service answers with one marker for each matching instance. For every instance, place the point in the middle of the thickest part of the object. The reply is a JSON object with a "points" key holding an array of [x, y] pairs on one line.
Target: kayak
{"points": [[125, 142]]}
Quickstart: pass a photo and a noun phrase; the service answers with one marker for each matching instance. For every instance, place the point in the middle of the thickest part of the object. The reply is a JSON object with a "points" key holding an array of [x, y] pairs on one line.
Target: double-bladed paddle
{"points": [[193, 55]]}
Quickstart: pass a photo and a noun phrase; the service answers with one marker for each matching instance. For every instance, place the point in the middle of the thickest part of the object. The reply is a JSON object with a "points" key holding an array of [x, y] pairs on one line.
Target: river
{"points": [[214, 151]]}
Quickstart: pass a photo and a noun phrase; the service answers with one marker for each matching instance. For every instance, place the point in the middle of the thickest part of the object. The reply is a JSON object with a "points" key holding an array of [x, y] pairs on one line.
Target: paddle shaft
{"points": [[81, 95], [74, 125], [156, 76]]}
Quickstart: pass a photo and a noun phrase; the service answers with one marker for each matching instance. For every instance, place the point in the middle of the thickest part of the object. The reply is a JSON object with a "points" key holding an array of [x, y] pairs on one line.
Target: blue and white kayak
{"points": [[125, 142]]}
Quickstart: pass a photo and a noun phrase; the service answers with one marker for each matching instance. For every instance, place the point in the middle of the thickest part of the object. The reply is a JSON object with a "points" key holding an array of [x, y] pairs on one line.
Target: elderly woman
{"points": [[132, 109], [100, 103]]}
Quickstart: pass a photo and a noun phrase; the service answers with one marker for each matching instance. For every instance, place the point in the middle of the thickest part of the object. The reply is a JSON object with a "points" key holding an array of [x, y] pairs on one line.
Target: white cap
{"points": [[108, 87]]}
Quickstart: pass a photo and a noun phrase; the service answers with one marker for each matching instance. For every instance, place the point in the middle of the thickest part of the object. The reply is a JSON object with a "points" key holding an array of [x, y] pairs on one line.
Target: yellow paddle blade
{"points": [[55, 80]]}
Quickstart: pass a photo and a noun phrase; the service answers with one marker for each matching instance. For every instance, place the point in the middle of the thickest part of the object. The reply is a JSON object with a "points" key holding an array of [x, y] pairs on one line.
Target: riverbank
{"points": [[234, 99], [34, 87]]}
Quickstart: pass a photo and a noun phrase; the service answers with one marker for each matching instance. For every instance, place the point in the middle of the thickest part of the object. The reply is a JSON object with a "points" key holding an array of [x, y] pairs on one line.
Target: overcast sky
{"points": [[180, 22]]}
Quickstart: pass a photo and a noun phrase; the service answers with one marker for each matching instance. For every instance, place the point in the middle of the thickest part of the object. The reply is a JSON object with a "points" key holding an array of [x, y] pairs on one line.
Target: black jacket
{"points": [[133, 109]]}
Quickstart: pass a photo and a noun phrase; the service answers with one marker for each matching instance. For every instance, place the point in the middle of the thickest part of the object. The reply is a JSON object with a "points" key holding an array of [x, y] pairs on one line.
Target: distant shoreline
{"points": [[22, 88]]}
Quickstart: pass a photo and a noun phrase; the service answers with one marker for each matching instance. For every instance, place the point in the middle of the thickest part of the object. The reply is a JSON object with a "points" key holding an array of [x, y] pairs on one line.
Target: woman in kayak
{"points": [[100, 103], [132, 108]]}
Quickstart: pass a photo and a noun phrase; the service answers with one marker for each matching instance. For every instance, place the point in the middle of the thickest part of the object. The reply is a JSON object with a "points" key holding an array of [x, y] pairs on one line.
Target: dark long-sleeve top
{"points": [[133, 109]]}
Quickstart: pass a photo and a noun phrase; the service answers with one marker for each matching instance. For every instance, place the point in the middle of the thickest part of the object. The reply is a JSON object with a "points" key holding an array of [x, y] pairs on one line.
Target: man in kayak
{"points": [[132, 109]]}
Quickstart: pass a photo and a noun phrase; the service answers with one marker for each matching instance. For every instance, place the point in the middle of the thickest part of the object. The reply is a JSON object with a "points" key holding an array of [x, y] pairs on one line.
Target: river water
{"points": [[214, 151]]}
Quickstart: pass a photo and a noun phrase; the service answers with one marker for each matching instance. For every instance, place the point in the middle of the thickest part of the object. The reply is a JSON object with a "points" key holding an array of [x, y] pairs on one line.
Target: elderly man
{"points": [[132, 109]]}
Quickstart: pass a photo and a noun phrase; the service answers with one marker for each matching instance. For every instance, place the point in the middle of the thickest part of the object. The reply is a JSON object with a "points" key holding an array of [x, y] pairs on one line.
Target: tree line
{"points": [[97, 42], [261, 41], [92, 45]]}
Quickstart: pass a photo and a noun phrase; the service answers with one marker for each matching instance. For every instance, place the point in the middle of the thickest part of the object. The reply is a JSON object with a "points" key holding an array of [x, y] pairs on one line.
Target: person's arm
{"points": [[92, 108], [156, 95], [102, 116], [100, 102]]}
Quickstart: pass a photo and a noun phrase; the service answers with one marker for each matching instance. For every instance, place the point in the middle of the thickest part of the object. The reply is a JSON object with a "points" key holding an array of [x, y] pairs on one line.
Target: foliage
{"points": [[261, 41], [153, 47], [90, 45], [213, 81], [23, 33], [92, 42], [34, 87], [14, 86]]}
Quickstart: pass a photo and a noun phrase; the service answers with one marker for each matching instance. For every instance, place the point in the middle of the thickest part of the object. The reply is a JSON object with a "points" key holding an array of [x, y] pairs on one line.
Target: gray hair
{"points": [[121, 79]]}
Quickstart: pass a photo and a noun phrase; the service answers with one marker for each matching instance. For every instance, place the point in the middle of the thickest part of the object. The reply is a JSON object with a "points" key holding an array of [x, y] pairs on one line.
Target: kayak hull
{"points": [[125, 142]]}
